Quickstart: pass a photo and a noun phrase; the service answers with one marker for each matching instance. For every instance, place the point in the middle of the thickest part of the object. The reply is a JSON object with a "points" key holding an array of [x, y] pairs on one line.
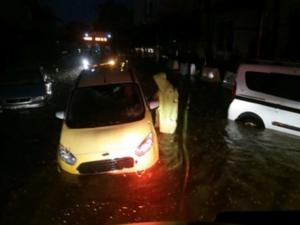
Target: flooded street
{"points": [[234, 168], [209, 166]]}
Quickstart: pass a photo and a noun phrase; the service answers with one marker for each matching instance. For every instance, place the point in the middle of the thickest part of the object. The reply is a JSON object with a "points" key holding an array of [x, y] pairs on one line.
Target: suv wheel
{"points": [[252, 121]]}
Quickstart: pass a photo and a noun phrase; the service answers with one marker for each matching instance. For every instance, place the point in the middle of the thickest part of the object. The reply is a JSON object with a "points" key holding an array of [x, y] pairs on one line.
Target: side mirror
{"points": [[153, 105], [60, 115]]}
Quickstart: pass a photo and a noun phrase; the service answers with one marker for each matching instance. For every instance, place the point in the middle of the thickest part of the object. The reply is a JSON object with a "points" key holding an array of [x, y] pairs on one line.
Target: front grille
{"points": [[17, 100], [105, 165]]}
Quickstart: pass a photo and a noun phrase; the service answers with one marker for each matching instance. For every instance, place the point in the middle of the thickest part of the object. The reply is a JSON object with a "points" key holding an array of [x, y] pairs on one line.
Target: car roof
{"points": [[269, 68], [105, 76]]}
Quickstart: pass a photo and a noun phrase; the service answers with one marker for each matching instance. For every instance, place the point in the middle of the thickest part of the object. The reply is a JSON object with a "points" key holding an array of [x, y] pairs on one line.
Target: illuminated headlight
{"points": [[112, 62], [85, 64], [211, 75], [145, 146], [66, 155]]}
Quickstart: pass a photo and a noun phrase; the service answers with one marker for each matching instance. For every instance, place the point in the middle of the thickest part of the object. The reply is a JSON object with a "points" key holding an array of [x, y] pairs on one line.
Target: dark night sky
{"points": [[78, 10]]}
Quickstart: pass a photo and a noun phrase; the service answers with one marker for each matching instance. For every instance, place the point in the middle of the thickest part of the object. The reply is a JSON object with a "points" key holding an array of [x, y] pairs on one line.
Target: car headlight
{"points": [[66, 155], [145, 146], [85, 64], [111, 62], [211, 75]]}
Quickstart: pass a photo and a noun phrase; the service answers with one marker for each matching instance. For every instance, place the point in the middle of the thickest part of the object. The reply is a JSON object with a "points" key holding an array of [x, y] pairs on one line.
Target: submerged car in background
{"points": [[267, 96], [107, 125], [24, 89]]}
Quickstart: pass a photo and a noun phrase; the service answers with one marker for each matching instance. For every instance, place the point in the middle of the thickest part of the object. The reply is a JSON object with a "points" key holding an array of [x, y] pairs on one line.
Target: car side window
{"points": [[281, 85]]}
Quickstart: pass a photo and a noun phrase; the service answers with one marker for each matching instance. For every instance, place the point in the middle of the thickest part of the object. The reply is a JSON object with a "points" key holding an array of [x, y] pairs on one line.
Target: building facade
{"points": [[227, 30]]}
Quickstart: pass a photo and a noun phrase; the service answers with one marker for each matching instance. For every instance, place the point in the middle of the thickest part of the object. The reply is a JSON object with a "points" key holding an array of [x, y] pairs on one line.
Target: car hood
{"points": [[125, 137], [13, 91]]}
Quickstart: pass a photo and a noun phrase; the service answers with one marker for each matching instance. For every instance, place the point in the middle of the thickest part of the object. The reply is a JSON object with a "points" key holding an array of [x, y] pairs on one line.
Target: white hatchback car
{"points": [[267, 96]]}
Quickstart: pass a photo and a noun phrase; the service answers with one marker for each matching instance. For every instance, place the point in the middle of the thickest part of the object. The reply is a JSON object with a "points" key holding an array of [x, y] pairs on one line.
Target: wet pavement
{"points": [[209, 166]]}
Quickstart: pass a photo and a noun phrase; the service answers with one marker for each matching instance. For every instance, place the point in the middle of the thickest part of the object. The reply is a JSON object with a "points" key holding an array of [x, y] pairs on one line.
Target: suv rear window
{"points": [[281, 85]]}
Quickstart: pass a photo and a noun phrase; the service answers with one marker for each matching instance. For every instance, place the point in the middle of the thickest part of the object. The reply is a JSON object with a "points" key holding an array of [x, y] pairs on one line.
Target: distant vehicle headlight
{"points": [[145, 146], [85, 64], [211, 75], [112, 62], [66, 155]]}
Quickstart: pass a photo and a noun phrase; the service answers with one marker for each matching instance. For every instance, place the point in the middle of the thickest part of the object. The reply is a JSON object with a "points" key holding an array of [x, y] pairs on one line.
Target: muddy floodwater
{"points": [[210, 165]]}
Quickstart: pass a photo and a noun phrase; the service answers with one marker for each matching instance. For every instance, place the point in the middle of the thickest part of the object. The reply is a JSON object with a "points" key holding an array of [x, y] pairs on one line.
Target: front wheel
{"points": [[252, 122]]}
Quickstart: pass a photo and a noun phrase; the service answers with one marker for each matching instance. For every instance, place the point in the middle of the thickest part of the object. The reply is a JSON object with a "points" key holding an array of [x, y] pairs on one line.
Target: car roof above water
{"points": [[268, 68], [105, 76]]}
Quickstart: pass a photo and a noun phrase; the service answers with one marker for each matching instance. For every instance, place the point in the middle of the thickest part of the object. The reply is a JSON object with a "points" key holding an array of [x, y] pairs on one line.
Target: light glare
{"points": [[87, 38]]}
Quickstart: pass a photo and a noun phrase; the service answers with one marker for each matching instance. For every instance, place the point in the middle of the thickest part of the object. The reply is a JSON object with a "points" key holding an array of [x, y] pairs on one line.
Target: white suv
{"points": [[267, 96]]}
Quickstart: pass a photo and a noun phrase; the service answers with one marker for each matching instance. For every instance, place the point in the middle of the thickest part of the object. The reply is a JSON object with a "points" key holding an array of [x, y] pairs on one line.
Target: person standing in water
{"points": [[167, 113]]}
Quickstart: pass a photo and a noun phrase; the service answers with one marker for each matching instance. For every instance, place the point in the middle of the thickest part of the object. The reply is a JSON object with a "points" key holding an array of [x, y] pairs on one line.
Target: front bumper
{"points": [[122, 164]]}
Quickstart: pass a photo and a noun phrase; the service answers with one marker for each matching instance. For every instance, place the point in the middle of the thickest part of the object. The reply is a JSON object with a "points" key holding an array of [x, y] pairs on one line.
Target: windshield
{"points": [[105, 105]]}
